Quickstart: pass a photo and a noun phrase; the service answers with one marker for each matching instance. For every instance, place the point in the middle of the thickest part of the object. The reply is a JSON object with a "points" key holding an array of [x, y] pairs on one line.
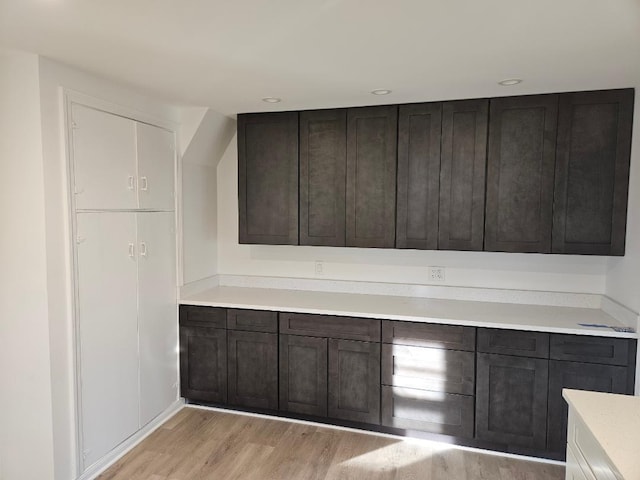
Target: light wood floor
{"points": [[201, 444]]}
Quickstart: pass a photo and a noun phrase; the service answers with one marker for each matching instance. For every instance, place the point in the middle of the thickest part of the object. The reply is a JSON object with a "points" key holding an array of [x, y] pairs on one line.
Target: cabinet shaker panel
{"points": [[511, 400], [323, 163], [203, 364], [434, 412], [520, 170], [354, 381], [462, 175], [371, 176], [253, 369], [592, 172], [268, 178], [419, 129], [303, 375]]}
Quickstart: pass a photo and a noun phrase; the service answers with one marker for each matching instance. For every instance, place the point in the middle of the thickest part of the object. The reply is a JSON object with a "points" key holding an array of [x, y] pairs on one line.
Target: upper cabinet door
{"points": [[104, 158], [323, 163], [371, 176], [419, 128], [268, 178], [521, 163], [592, 172], [462, 175], [156, 166]]}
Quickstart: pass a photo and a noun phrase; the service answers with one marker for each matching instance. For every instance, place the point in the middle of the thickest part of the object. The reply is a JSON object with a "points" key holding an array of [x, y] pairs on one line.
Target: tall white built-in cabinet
{"points": [[125, 276]]}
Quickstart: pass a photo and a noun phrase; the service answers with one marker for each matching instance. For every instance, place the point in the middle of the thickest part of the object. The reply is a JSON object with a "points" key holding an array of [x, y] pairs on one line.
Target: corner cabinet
{"points": [[537, 173]]}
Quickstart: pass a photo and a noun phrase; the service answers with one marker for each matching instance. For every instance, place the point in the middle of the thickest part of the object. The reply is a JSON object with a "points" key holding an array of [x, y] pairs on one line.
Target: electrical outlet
{"points": [[436, 274], [319, 268]]}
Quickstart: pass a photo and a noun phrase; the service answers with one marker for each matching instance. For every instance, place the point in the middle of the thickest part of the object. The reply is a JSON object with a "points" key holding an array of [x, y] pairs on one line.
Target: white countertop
{"points": [[453, 312], [614, 420]]}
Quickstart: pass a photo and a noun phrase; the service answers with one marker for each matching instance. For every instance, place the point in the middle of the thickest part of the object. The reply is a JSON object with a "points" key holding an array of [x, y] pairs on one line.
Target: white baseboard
{"points": [[114, 455]]}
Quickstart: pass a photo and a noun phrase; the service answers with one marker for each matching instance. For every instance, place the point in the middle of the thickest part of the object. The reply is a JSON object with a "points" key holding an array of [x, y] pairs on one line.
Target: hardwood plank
{"points": [[203, 444]]}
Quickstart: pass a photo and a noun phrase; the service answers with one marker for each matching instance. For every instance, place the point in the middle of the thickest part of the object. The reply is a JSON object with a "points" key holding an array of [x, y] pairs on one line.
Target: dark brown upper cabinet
{"points": [[538, 173], [419, 129], [268, 178], [520, 170], [323, 171], [371, 176], [462, 175], [592, 172]]}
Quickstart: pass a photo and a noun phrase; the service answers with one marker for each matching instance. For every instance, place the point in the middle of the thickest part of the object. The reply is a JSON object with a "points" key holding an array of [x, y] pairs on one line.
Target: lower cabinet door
{"points": [[578, 376], [203, 364], [435, 412], [511, 400], [253, 369], [303, 375], [354, 381]]}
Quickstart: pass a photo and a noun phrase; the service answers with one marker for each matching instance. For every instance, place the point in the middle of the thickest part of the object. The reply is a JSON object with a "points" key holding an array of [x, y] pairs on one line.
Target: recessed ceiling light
{"points": [[510, 81], [381, 91], [272, 99]]}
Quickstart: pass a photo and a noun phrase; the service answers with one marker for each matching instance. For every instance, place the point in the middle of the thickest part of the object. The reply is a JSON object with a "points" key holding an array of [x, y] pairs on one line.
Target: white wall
{"points": [[26, 432], [623, 278], [199, 199], [559, 273], [54, 77]]}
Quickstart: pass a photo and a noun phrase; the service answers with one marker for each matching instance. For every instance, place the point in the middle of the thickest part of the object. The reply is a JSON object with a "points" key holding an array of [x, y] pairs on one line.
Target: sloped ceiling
{"points": [[228, 54]]}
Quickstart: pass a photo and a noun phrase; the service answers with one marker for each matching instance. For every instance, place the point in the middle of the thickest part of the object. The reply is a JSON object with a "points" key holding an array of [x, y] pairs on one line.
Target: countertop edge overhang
{"points": [[512, 316]]}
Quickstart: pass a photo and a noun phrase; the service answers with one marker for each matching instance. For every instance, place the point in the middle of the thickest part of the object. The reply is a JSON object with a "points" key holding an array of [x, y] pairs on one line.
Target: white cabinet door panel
{"points": [[157, 313], [104, 157], [108, 330], [156, 153]]}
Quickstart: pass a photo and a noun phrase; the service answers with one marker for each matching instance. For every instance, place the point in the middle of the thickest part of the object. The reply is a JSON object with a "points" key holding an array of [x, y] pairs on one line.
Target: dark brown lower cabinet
{"points": [[511, 400], [579, 376], [303, 375], [422, 378], [253, 369], [354, 381], [203, 364], [436, 412]]}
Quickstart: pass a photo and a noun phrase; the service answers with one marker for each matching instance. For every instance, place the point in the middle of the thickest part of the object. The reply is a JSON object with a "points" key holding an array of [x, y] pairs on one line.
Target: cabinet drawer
{"points": [[434, 412], [513, 342], [428, 369], [347, 328], [252, 320], [197, 316], [579, 348], [452, 337]]}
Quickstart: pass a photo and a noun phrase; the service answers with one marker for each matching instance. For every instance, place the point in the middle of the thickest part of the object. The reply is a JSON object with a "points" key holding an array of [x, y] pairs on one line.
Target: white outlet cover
{"points": [[437, 274]]}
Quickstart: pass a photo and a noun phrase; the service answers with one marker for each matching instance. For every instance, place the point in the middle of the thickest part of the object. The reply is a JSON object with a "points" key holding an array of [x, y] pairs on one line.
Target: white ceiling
{"points": [[228, 54]]}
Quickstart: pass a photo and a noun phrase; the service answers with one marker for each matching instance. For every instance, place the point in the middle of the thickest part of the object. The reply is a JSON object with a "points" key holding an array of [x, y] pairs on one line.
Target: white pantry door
{"points": [[156, 165], [157, 316], [104, 159], [107, 296]]}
